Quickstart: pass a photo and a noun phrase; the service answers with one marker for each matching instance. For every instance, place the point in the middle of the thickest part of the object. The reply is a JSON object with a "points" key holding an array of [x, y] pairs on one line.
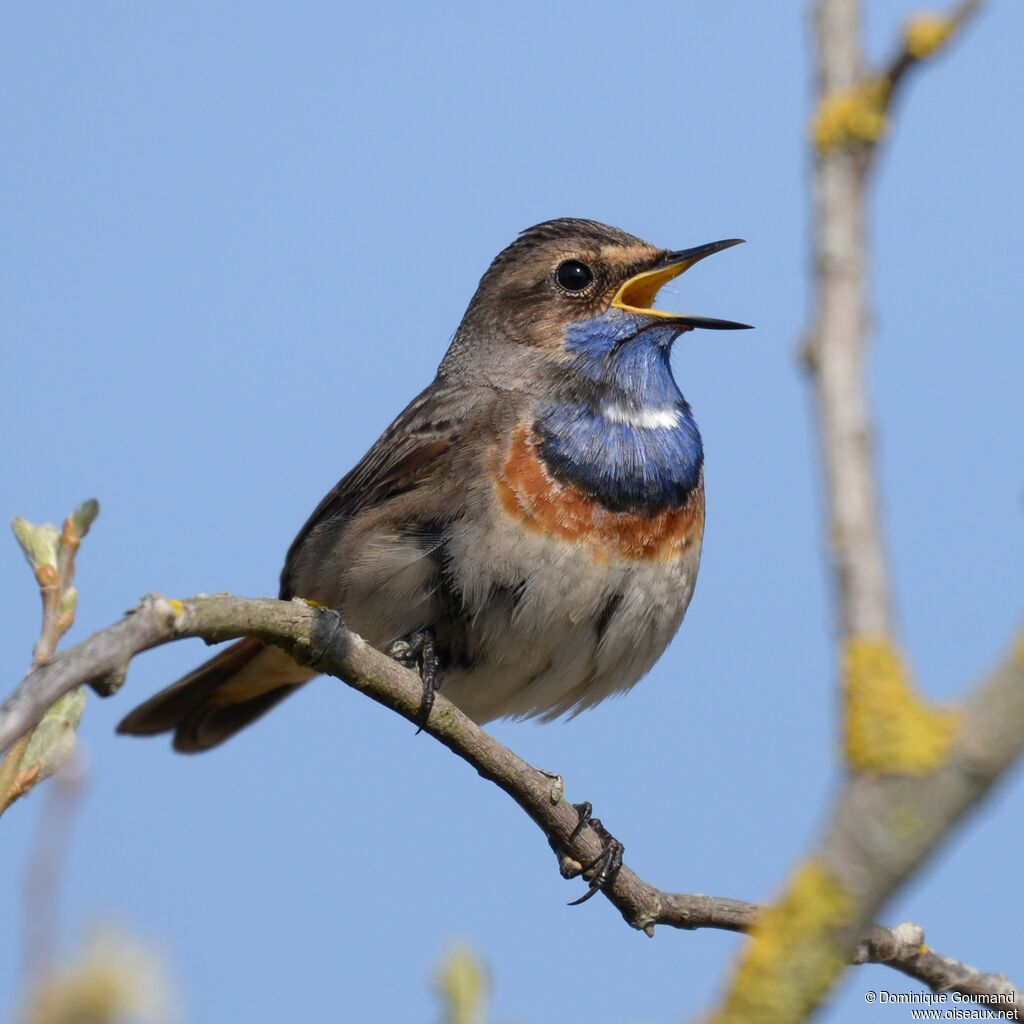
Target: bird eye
{"points": [[573, 275]]}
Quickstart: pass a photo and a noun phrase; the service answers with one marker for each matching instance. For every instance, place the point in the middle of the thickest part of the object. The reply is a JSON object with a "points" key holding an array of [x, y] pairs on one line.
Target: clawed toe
{"points": [[601, 871], [404, 652], [419, 650]]}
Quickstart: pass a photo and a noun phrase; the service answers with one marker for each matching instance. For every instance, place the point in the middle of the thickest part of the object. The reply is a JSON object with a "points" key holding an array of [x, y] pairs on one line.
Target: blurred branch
{"points": [[317, 637], [913, 770], [51, 556], [882, 828], [836, 345], [44, 873], [854, 108]]}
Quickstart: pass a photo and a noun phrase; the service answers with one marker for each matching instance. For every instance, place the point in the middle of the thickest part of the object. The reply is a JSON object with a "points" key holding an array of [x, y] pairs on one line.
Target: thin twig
{"points": [[52, 559], [317, 637]]}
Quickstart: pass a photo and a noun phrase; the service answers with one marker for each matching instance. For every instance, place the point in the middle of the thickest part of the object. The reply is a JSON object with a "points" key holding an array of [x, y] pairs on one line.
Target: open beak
{"points": [[637, 295]]}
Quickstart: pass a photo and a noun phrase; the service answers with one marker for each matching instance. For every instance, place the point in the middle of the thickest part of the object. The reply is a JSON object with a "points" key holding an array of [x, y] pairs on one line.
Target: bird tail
{"points": [[219, 698]]}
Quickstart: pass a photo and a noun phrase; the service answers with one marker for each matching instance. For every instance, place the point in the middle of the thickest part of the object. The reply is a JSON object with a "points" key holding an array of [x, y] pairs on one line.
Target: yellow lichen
{"points": [[889, 728], [178, 607], [925, 33], [851, 116], [793, 955]]}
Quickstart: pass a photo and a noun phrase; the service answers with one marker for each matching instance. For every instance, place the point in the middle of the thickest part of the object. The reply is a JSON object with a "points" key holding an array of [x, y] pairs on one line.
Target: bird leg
{"points": [[601, 871], [419, 650]]}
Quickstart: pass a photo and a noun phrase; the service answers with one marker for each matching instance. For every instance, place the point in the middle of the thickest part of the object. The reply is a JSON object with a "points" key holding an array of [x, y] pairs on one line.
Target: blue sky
{"points": [[237, 239]]}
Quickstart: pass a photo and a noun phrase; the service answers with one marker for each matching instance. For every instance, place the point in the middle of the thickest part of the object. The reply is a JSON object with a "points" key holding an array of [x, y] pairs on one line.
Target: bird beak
{"points": [[637, 295]]}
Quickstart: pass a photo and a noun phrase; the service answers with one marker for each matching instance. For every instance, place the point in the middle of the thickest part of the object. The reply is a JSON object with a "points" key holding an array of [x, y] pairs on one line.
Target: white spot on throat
{"points": [[648, 418]]}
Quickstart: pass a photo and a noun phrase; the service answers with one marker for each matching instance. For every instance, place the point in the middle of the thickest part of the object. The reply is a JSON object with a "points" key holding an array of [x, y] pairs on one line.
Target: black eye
{"points": [[573, 276]]}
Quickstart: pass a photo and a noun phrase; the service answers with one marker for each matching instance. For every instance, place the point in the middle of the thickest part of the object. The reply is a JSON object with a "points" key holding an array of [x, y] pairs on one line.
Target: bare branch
{"points": [[853, 109], [926, 35], [837, 342], [903, 949], [318, 638], [914, 770]]}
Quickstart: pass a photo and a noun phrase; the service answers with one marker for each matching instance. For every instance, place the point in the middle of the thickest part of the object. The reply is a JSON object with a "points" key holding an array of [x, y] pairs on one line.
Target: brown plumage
{"points": [[220, 697], [544, 595]]}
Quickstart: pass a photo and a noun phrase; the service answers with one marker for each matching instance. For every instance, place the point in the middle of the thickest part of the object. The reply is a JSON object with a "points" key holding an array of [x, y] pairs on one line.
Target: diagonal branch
{"points": [[317, 637]]}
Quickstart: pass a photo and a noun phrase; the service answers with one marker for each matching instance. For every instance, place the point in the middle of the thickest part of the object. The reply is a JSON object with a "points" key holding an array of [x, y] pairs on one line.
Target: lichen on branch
{"points": [[794, 957], [889, 729]]}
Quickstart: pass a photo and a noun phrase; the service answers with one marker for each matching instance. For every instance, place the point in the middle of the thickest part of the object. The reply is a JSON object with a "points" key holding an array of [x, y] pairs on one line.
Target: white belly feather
{"points": [[546, 656]]}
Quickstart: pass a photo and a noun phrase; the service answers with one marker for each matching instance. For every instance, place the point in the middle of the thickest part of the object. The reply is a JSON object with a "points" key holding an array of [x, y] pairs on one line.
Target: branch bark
{"points": [[853, 112], [317, 637], [838, 341], [913, 771]]}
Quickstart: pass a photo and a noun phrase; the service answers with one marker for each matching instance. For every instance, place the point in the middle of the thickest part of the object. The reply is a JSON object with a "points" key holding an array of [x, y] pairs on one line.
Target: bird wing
{"points": [[419, 443]]}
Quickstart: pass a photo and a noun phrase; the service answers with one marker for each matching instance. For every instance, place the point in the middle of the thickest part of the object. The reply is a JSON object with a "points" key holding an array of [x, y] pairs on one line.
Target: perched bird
{"points": [[528, 530]]}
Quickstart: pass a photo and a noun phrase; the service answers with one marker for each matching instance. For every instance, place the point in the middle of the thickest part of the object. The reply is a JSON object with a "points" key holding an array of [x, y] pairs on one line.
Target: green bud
{"points": [[39, 544], [53, 741], [85, 515]]}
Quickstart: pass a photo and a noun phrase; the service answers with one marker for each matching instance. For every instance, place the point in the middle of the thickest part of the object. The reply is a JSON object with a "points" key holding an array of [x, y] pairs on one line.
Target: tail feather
{"points": [[211, 724], [219, 698]]}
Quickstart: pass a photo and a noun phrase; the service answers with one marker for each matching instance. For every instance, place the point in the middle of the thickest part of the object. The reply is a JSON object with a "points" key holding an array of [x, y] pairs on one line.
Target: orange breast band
{"points": [[529, 494]]}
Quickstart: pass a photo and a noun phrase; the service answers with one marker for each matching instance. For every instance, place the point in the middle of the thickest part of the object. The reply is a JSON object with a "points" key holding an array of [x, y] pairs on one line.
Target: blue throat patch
{"points": [[622, 431]]}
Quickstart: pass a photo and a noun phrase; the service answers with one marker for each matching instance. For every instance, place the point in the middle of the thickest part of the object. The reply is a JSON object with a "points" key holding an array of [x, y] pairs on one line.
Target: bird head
{"points": [[559, 276]]}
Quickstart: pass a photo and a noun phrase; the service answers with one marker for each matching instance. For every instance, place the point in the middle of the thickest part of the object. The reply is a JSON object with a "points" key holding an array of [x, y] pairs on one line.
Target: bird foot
{"points": [[601, 871], [419, 650]]}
